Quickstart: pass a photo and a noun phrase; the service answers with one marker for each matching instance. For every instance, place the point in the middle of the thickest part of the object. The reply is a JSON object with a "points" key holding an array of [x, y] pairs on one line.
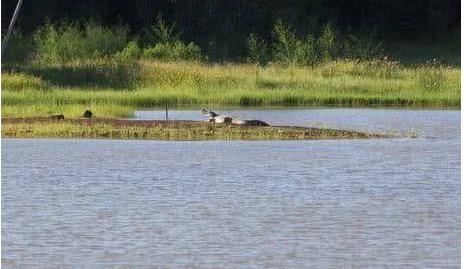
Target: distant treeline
{"points": [[222, 28], [77, 41]]}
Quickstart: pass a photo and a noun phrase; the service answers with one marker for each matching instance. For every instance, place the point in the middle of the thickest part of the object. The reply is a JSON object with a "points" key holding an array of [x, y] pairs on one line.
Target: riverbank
{"points": [[112, 89], [165, 130]]}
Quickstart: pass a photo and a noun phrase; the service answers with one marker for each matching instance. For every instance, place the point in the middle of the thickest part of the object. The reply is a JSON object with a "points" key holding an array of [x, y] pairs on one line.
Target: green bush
{"points": [[308, 50], [173, 51], [285, 43], [70, 41], [59, 43], [130, 52], [289, 49], [160, 32], [328, 45], [258, 52], [164, 44], [100, 41]]}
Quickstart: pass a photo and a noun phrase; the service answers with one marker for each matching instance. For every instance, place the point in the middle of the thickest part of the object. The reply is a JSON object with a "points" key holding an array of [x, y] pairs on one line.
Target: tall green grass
{"points": [[340, 83]]}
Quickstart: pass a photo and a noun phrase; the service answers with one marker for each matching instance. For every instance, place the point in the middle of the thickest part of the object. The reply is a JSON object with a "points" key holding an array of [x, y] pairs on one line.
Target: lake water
{"points": [[240, 204]]}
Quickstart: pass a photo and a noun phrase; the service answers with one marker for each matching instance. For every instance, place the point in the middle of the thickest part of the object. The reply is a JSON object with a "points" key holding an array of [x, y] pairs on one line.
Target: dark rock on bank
{"points": [[87, 114]]}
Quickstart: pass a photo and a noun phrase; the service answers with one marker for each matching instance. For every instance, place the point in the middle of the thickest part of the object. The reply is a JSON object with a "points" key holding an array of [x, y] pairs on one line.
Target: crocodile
{"points": [[217, 118]]}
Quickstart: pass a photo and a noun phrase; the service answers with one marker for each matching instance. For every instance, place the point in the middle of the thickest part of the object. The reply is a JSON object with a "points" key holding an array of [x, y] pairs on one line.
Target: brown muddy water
{"points": [[241, 204]]}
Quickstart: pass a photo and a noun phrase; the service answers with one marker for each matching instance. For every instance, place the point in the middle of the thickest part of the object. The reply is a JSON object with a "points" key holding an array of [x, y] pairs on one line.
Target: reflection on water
{"points": [[294, 204]]}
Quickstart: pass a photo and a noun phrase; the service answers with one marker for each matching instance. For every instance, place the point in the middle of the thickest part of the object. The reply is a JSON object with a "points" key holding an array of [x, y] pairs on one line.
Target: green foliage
{"points": [[173, 51], [63, 42], [160, 32], [288, 49], [308, 50], [59, 43], [164, 44], [327, 43], [258, 52], [100, 41], [285, 44], [130, 52]]}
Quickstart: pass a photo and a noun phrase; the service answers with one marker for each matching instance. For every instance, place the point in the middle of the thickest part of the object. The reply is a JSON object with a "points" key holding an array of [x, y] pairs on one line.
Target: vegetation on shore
{"points": [[71, 67], [165, 130], [114, 91]]}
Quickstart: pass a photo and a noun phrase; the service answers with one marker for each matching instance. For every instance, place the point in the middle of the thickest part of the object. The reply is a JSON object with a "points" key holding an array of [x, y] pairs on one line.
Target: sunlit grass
{"points": [[41, 89], [174, 130]]}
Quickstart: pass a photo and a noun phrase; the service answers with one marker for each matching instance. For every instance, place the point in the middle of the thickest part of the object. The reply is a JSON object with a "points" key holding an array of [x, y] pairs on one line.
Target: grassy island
{"points": [[165, 130]]}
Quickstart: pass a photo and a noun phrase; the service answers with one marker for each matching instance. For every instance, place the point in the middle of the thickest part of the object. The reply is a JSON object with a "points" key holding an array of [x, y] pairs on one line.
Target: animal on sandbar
{"points": [[210, 114], [249, 122], [217, 118]]}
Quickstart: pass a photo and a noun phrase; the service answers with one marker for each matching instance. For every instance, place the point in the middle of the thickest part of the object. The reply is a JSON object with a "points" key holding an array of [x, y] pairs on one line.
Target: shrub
{"points": [[285, 43], [289, 49], [327, 43], [258, 53], [165, 44], [173, 51], [307, 50], [130, 52], [160, 32], [102, 41], [59, 43], [68, 41]]}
